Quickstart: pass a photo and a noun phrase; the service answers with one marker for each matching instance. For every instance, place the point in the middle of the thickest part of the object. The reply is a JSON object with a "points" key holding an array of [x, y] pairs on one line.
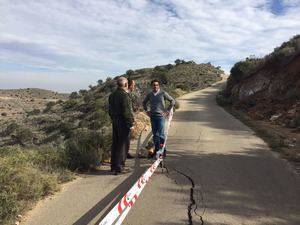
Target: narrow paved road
{"points": [[218, 172]]}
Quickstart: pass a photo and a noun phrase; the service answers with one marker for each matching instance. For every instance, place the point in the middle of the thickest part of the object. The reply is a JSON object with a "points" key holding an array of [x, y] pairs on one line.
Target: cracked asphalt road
{"points": [[237, 179]]}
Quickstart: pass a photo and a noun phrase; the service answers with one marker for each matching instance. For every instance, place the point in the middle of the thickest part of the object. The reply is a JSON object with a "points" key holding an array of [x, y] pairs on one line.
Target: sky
{"points": [[66, 45]]}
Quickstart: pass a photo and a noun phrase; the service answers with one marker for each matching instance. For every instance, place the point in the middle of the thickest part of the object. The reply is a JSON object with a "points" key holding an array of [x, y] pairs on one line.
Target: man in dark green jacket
{"points": [[120, 111]]}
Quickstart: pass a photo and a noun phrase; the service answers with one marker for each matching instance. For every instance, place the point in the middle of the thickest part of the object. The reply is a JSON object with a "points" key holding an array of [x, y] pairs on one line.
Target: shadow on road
{"points": [[114, 196], [238, 185], [245, 183]]}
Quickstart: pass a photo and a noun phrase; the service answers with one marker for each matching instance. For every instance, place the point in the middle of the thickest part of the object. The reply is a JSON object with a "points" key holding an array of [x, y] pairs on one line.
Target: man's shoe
{"points": [[114, 172], [165, 153], [129, 156], [125, 170]]}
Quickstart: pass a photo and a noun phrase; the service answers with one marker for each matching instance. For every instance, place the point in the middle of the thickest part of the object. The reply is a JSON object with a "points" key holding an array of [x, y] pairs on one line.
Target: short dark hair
{"points": [[155, 80]]}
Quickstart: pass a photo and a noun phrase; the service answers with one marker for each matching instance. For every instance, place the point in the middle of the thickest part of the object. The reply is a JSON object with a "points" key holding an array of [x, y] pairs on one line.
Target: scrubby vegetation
{"points": [[75, 134], [27, 174], [17, 103]]}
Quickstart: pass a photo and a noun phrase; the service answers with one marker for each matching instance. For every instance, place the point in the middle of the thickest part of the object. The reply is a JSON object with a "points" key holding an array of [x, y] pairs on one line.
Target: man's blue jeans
{"points": [[158, 130]]}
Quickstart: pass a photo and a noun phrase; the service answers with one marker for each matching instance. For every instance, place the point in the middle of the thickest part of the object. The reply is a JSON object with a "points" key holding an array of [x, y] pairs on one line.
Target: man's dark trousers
{"points": [[120, 144], [158, 131]]}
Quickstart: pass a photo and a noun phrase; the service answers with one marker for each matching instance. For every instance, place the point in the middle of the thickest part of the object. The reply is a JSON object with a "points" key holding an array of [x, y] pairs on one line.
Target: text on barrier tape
{"points": [[122, 208]]}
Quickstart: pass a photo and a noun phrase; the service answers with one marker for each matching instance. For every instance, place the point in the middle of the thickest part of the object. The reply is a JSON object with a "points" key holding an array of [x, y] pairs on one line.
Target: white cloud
{"points": [[99, 38]]}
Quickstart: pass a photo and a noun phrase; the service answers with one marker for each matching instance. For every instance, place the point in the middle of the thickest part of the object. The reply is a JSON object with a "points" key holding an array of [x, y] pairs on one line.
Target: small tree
{"points": [[100, 82], [177, 61], [82, 91], [129, 73], [23, 136], [74, 95]]}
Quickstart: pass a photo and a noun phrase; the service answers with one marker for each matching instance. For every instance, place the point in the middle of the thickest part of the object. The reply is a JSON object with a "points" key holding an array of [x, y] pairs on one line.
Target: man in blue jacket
{"points": [[157, 112]]}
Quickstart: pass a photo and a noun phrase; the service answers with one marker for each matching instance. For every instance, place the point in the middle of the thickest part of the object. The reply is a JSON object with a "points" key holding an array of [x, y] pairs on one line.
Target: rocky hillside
{"points": [[269, 88]]}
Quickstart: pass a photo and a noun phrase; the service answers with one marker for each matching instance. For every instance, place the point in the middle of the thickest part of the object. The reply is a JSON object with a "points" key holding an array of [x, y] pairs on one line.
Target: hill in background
{"points": [[15, 103]]}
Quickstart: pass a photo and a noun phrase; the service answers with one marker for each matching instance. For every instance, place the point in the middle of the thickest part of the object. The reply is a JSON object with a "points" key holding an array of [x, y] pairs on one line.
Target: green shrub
{"points": [[129, 73], [49, 106], [242, 69], [23, 136], [84, 148], [222, 100], [100, 82], [34, 112], [21, 182], [69, 104], [179, 61], [11, 127], [50, 159], [74, 95]]}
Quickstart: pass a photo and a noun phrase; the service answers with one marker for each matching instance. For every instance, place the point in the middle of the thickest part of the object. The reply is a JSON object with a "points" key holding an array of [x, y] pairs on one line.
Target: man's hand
{"points": [[166, 114], [149, 113]]}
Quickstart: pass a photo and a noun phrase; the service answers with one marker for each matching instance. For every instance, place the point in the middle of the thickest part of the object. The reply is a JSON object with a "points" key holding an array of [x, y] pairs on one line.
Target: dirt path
{"points": [[219, 172]]}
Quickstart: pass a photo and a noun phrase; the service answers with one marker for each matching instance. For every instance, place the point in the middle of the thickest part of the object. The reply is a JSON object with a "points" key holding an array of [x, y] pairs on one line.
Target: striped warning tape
{"points": [[122, 208]]}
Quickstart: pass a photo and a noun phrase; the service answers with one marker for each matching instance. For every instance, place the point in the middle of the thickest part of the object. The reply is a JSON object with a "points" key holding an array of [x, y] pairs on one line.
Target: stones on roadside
{"points": [[275, 117], [290, 142]]}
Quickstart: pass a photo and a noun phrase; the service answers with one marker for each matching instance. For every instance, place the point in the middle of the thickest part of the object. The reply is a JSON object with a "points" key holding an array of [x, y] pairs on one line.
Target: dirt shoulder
{"points": [[285, 141]]}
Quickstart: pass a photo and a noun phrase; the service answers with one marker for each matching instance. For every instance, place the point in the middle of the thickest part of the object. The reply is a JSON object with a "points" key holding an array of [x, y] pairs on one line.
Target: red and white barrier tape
{"points": [[123, 207]]}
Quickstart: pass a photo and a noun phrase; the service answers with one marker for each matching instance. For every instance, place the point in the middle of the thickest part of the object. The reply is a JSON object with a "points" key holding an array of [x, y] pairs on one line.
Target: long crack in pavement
{"points": [[192, 206]]}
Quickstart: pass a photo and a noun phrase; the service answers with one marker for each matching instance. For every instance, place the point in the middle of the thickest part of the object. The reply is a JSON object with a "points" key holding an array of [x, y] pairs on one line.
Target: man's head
{"points": [[122, 82], [131, 85], [155, 85]]}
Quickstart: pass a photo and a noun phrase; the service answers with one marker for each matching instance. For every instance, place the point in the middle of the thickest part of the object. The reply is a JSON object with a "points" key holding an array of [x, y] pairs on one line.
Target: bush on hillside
{"points": [[70, 104], [179, 61], [22, 136], [74, 95], [25, 176], [243, 69], [34, 112], [49, 106], [85, 148], [10, 128], [223, 100]]}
